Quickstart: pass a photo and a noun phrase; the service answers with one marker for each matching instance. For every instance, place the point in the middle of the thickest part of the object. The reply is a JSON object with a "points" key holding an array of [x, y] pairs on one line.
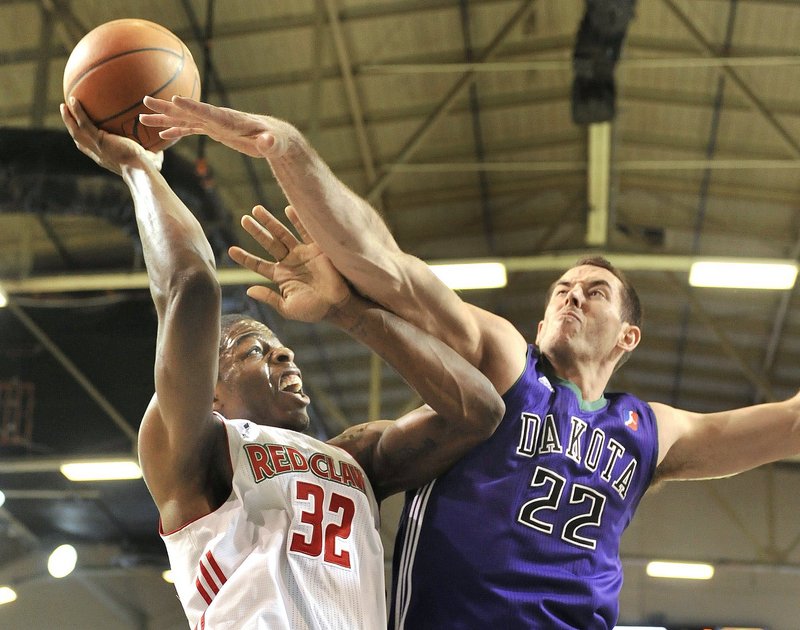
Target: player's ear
{"points": [[217, 404], [539, 332], [630, 337]]}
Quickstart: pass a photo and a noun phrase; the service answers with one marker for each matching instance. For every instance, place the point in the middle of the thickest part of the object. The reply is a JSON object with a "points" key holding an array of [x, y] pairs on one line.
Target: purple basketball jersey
{"points": [[524, 531]]}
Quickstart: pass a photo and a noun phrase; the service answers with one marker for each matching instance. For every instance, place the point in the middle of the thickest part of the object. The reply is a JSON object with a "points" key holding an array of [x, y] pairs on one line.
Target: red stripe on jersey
{"points": [[201, 624], [209, 580], [204, 594], [215, 566]]}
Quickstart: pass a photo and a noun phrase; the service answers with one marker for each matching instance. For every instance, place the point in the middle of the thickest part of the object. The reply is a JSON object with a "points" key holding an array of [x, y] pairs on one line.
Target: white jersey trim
{"points": [[416, 514]]}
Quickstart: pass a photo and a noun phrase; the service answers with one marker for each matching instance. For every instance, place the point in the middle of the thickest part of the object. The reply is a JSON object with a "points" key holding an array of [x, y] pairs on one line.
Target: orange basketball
{"points": [[117, 64]]}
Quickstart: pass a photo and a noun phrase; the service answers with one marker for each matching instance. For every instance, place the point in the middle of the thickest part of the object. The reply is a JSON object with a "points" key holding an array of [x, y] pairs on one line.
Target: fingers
{"points": [[264, 238], [166, 114], [294, 218], [198, 108], [176, 127], [253, 263], [78, 132], [78, 113], [283, 240], [267, 296], [75, 119], [263, 268], [169, 108], [69, 120], [178, 112], [174, 132], [161, 120]]}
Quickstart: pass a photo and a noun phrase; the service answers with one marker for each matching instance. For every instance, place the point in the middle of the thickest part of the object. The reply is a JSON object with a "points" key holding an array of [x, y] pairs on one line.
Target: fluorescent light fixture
{"points": [[490, 275], [2, 498], [7, 595], [168, 577], [3, 298], [743, 275], [680, 570], [62, 561], [110, 470]]}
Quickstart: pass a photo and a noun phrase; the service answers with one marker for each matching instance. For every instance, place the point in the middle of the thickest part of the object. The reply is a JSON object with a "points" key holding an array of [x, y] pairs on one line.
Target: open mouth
{"points": [[291, 383]]}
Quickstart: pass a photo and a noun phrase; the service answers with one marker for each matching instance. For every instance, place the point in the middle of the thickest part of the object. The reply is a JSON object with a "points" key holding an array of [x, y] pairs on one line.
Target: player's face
{"points": [[582, 321], [258, 379]]}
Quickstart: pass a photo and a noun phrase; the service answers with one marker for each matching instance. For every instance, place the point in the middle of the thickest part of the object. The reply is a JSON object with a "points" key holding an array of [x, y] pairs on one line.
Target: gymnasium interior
{"points": [[524, 133]]}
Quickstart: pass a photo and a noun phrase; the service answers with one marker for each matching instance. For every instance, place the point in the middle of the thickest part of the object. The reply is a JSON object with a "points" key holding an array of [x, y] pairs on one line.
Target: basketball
{"points": [[117, 64]]}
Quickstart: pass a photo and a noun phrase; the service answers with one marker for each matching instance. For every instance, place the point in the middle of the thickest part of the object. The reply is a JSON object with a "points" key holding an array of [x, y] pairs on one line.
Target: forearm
{"points": [[346, 227], [173, 241], [187, 297], [354, 237], [444, 380]]}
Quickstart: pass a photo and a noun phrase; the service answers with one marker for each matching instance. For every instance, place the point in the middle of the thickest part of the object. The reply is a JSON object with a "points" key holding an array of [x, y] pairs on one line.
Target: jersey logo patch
{"points": [[543, 380], [632, 421]]}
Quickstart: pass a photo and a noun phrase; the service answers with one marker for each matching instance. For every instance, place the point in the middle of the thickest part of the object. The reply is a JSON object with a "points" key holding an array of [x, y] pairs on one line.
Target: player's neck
{"points": [[590, 379]]}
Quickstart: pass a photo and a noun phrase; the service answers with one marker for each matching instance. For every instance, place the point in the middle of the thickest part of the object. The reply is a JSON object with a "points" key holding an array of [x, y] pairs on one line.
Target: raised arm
{"points": [[178, 433], [462, 408], [352, 234], [703, 446]]}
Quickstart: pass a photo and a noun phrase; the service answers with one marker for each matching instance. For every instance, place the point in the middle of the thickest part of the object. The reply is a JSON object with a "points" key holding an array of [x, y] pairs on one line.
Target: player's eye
{"points": [[255, 351]]}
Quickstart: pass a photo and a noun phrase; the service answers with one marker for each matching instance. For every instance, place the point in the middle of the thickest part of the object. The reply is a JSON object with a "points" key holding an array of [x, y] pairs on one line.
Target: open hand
{"points": [[308, 286], [107, 149], [251, 134]]}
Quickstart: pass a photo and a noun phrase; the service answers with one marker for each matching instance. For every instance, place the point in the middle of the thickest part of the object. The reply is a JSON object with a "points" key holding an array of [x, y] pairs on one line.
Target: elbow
{"points": [[489, 411], [194, 285]]}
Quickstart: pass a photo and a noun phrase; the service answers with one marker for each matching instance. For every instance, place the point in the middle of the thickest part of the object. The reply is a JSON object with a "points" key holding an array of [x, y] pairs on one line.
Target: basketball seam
{"points": [[181, 52], [178, 71], [99, 63]]}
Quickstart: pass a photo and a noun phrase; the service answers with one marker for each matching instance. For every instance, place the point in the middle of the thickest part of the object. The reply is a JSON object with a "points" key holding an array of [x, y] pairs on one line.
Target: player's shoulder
{"points": [[672, 423], [361, 440]]}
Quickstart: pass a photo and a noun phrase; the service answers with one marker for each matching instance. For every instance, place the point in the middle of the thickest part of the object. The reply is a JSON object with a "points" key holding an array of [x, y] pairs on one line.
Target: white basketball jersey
{"points": [[295, 547]]}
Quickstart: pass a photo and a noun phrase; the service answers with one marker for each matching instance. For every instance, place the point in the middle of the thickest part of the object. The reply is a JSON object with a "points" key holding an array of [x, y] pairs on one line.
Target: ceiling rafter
{"points": [[744, 88], [418, 137]]}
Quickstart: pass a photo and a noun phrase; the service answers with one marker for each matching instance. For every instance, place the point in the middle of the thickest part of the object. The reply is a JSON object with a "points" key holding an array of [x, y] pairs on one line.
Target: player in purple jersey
{"points": [[524, 531]]}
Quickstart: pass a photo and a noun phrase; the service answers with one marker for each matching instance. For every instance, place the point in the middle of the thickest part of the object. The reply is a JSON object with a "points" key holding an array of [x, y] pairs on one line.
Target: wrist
{"points": [[347, 313], [287, 139], [140, 164]]}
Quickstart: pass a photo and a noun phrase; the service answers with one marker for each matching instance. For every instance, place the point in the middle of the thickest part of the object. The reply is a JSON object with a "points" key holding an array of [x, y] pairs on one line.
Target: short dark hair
{"points": [[228, 321], [631, 306], [226, 324]]}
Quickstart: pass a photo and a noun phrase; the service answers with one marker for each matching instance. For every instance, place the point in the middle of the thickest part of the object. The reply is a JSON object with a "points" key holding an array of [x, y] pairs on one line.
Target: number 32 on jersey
{"points": [[326, 524]]}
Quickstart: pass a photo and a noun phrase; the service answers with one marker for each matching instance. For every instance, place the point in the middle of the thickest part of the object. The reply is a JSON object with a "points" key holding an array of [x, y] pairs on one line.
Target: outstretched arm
{"points": [[462, 408], [708, 445], [352, 234], [178, 433]]}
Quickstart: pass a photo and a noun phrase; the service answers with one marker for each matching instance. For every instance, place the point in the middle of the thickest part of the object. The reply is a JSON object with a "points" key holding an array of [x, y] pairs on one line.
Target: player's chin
{"points": [[298, 421], [294, 400], [295, 412]]}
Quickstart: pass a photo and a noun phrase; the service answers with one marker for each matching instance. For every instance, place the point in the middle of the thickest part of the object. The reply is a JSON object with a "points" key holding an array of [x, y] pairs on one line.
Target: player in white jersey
{"points": [[265, 527], [281, 479]]}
